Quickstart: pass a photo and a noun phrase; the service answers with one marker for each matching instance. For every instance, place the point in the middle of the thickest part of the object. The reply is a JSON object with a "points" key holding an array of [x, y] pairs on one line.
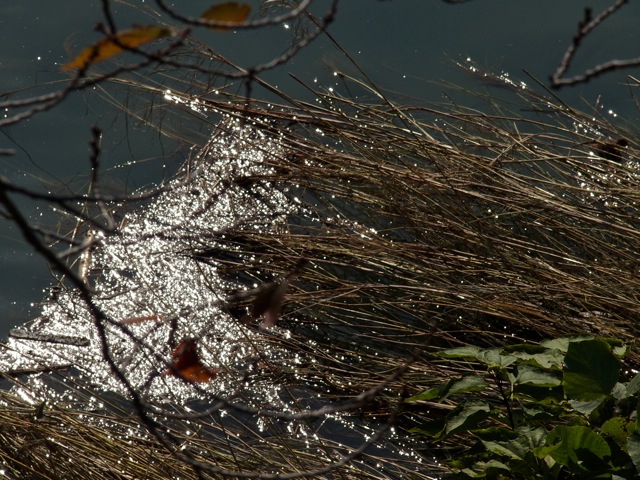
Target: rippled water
{"points": [[157, 281], [150, 268]]}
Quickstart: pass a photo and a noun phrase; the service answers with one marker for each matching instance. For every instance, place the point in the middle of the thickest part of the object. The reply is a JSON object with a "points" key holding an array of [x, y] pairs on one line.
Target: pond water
{"points": [[167, 275]]}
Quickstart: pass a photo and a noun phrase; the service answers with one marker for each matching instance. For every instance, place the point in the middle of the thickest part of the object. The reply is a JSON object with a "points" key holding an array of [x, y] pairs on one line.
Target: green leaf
{"points": [[466, 353], [468, 383], [490, 357], [578, 448], [539, 411], [563, 343], [513, 444], [586, 408], [591, 370], [633, 386], [429, 394], [464, 384], [493, 358], [494, 468], [617, 429], [524, 349], [466, 416], [432, 428], [530, 375], [633, 448], [539, 395], [536, 354], [550, 360]]}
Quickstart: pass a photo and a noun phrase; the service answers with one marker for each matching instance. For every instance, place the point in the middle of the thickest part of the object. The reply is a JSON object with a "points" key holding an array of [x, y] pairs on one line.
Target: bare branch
{"points": [[586, 26]]}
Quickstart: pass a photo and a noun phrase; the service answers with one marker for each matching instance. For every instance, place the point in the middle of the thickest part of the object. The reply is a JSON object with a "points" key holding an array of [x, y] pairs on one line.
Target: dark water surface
{"points": [[405, 46]]}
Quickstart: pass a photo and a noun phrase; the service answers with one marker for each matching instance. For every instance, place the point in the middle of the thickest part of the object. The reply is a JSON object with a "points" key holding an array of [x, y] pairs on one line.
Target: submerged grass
{"points": [[425, 227]]}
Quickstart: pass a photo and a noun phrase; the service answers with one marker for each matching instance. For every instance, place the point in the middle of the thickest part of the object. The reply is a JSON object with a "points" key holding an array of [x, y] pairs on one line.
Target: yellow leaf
{"points": [[232, 13], [107, 47]]}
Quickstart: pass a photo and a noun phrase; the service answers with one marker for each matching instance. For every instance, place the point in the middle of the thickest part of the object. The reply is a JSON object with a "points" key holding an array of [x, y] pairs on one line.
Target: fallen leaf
{"points": [[140, 319], [108, 47], [232, 13], [187, 363], [268, 301]]}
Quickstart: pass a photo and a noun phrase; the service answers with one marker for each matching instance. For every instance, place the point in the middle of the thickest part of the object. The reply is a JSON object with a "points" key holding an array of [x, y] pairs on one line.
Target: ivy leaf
{"points": [[231, 13], [109, 47]]}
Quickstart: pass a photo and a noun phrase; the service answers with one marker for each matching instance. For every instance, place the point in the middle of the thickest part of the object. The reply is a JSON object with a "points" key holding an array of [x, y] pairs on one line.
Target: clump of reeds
{"points": [[424, 227], [497, 227], [439, 226]]}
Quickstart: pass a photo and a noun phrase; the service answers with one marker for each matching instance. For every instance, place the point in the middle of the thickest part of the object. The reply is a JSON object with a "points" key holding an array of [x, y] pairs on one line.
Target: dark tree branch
{"points": [[586, 26]]}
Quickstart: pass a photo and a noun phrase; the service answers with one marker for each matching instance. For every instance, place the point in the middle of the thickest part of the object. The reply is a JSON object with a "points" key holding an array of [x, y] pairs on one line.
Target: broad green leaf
{"points": [[540, 395], [524, 349], [578, 448], [633, 386], [619, 351], [529, 375], [586, 408], [429, 394], [633, 448], [465, 353], [549, 359], [108, 47], [231, 13], [433, 428], [513, 444], [468, 383], [591, 370], [491, 466], [466, 416], [493, 358], [562, 343], [619, 391], [539, 411], [617, 428]]}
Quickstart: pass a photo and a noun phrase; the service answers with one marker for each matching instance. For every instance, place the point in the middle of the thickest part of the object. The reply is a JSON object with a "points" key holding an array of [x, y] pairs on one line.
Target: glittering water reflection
{"points": [[147, 270], [158, 281]]}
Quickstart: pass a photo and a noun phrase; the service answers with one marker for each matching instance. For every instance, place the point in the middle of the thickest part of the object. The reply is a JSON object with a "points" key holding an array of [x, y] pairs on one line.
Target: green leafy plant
{"points": [[560, 409]]}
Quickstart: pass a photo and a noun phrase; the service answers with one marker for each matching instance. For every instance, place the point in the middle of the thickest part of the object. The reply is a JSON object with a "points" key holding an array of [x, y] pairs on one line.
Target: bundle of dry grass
{"points": [[424, 227], [498, 227]]}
